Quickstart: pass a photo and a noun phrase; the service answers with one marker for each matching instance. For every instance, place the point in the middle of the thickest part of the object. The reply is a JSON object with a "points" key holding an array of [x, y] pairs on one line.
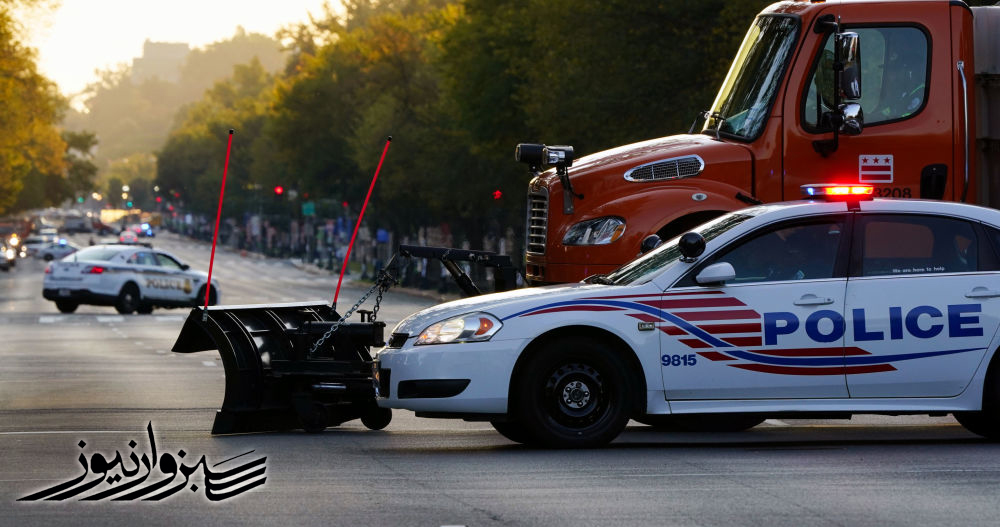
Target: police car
{"points": [[133, 278], [815, 308]]}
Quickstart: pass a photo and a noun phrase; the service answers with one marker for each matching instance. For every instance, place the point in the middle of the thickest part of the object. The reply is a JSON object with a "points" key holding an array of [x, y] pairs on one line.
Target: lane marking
{"points": [[208, 363], [161, 351], [49, 319], [110, 318]]}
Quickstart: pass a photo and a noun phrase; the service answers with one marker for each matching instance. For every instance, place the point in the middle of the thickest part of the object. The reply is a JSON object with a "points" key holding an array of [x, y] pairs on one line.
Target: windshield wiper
{"points": [[601, 279]]}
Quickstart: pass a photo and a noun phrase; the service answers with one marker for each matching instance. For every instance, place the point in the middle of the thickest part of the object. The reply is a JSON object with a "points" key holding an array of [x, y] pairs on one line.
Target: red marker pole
{"points": [[215, 236], [371, 187]]}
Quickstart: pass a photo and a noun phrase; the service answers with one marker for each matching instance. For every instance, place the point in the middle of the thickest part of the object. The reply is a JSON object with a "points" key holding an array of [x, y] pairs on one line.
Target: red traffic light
{"points": [[159, 199], [497, 194], [279, 190]]}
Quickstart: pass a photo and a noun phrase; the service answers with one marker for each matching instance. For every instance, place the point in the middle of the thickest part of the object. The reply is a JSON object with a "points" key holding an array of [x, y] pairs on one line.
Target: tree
{"points": [[80, 168], [31, 150]]}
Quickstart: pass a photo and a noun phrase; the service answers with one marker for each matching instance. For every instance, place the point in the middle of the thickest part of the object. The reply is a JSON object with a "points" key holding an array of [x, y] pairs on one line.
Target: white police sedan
{"points": [[807, 309], [132, 278]]}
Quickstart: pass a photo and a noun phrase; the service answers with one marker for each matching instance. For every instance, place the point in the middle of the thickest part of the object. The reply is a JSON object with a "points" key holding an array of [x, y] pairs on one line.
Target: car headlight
{"points": [[600, 231], [471, 327]]}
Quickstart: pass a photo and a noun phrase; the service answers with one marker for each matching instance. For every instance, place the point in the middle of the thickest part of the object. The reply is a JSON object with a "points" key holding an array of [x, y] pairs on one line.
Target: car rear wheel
{"points": [[573, 394], [65, 306], [128, 299]]}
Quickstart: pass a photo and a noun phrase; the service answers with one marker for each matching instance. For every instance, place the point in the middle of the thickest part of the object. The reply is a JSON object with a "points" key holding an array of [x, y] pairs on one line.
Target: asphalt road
{"points": [[101, 379]]}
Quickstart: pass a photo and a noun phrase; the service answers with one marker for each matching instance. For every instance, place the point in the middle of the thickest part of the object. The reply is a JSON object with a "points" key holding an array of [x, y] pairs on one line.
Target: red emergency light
{"points": [[835, 191]]}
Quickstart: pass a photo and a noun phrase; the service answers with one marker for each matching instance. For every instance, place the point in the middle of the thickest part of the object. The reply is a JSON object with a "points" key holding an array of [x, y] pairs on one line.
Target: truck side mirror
{"points": [[850, 55], [716, 273], [853, 118]]}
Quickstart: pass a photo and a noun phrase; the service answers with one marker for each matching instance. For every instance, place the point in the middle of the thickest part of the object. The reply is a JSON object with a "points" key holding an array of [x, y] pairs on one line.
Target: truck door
{"points": [[922, 310], [775, 331], [905, 148]]}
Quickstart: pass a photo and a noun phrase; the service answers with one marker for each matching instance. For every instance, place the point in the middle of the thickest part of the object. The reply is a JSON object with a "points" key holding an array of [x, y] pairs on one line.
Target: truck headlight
{"points": [[600, 231], [471, 327]]}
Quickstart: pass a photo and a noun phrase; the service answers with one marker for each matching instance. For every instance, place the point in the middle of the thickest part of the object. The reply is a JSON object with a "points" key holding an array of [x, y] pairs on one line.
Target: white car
{"points": [[55, 251], [32, 244], [129, 277], [806, 309]]}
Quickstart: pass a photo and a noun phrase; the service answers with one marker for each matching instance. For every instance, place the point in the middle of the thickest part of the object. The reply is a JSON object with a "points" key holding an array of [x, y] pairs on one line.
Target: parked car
{"points": [[57, 250]]}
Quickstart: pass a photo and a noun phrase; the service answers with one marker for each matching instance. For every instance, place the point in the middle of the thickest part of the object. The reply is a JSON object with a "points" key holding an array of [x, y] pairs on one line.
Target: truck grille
{"points": [[675, 168], [537, 224]]}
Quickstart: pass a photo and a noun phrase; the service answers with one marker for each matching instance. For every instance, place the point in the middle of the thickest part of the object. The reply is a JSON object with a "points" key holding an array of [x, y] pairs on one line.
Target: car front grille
{"points": [[537, 224], [675, 168]]}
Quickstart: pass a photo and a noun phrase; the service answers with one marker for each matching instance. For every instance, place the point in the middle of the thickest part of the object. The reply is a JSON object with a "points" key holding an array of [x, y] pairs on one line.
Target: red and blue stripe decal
{"points": [[723, 329]]}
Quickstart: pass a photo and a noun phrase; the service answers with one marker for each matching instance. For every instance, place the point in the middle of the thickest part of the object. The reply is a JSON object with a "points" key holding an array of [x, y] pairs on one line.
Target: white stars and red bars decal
{"points": [[874, 168]]}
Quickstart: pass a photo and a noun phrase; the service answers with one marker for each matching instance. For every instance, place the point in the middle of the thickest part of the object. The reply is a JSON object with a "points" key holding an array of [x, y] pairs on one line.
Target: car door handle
{"points": [[813, 300], [982, 292]]}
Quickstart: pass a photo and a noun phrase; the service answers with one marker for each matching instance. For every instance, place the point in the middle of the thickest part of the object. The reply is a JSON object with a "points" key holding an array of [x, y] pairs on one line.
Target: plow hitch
{"points": [[285, 368]]}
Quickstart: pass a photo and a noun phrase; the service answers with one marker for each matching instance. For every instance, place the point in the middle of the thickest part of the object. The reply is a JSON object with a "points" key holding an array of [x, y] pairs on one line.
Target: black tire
{"points": [[514, 431], [573, 394], [985, 422], [128, 299], [377, 418], [200, 297], [66, 306], [314, 419], [144, 309]]}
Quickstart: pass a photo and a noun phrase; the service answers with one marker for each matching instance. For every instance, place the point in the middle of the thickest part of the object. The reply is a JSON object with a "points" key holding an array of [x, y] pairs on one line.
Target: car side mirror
{"points": [[649, 243], [185, 267], [716, 273], [849, 45]]}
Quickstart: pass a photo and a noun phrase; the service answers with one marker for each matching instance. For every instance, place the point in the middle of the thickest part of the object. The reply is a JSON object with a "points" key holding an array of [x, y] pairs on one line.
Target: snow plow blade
{"points": [[274, 378]]}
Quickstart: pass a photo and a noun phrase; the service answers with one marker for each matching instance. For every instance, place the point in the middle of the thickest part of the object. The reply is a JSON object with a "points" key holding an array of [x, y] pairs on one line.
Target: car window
{"points": [[798, 251], [168, 262], [893, 77], [97, 253], [142, 258], [893, 245]]}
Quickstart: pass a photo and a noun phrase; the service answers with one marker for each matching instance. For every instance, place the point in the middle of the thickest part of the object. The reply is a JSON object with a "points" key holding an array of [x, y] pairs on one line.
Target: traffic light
{"points": [[129, 204], [497, 194], [159, 199], [79, 199], [279, 190]]}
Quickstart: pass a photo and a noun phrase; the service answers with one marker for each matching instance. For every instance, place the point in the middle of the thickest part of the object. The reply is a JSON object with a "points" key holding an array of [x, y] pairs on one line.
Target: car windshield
{"points": [[741, 107], [645, 267], [97, 253]]}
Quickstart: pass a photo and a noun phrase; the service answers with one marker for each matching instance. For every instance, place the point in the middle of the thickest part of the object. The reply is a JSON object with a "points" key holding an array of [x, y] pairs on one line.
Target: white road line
{"points": [[50, 319], [111, 318], [208, 363], [161, 351]]}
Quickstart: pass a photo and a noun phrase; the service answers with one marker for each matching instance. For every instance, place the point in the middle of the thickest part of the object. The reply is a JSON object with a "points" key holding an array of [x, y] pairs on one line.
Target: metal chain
{"points": [[382, 284]]}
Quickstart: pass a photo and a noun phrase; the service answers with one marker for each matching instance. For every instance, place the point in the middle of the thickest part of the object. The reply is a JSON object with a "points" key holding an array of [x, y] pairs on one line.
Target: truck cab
{"points": [[879, 92]]}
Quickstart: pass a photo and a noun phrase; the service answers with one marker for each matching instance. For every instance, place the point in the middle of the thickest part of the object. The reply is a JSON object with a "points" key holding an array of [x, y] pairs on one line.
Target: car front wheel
{"points": [[573, 394], [65, 306]]}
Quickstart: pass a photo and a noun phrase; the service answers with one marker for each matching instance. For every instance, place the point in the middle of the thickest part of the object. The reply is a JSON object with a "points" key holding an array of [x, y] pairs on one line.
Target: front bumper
{"points": [[471, 378]]}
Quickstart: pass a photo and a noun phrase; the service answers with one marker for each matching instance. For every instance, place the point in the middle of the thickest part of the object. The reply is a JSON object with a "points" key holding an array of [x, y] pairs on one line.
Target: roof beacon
{"points": [[838, 192]]}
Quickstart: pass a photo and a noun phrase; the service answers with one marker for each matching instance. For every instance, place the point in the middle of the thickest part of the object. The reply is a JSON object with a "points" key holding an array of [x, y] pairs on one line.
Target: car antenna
{"points": [[215, 235], [347, 256]]}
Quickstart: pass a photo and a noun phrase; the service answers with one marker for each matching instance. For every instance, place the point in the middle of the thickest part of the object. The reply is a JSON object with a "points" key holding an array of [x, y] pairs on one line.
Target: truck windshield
{"points": [[741, 107], [645, 267]]}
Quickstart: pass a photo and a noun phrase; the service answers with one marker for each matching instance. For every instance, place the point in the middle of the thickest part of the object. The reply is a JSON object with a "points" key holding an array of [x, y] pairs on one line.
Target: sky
{"points": [[82, 36]]}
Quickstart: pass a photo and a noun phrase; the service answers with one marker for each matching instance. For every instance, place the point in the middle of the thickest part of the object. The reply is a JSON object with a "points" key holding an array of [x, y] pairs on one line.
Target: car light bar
{"points": [[834, 191]]}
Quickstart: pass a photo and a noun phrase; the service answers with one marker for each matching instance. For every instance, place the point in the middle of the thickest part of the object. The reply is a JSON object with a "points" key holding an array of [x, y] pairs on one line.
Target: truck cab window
{"points": [[893, 77]]}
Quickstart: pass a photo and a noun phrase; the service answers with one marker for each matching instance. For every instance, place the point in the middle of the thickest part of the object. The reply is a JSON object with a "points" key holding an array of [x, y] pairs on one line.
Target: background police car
{"points": [[129, 277], [794, 309]]}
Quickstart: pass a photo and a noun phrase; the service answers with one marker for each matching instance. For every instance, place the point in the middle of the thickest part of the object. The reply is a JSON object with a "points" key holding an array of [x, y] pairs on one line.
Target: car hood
{"points": [[500, 305]]}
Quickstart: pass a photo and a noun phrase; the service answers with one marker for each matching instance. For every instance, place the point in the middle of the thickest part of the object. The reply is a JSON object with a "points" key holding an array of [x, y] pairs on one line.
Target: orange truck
{"points": [[901, 94]]}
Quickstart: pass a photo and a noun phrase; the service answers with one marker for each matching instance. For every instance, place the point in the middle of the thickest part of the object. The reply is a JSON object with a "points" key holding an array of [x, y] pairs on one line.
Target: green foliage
{"points": [[457, 84], [31, 150]]}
